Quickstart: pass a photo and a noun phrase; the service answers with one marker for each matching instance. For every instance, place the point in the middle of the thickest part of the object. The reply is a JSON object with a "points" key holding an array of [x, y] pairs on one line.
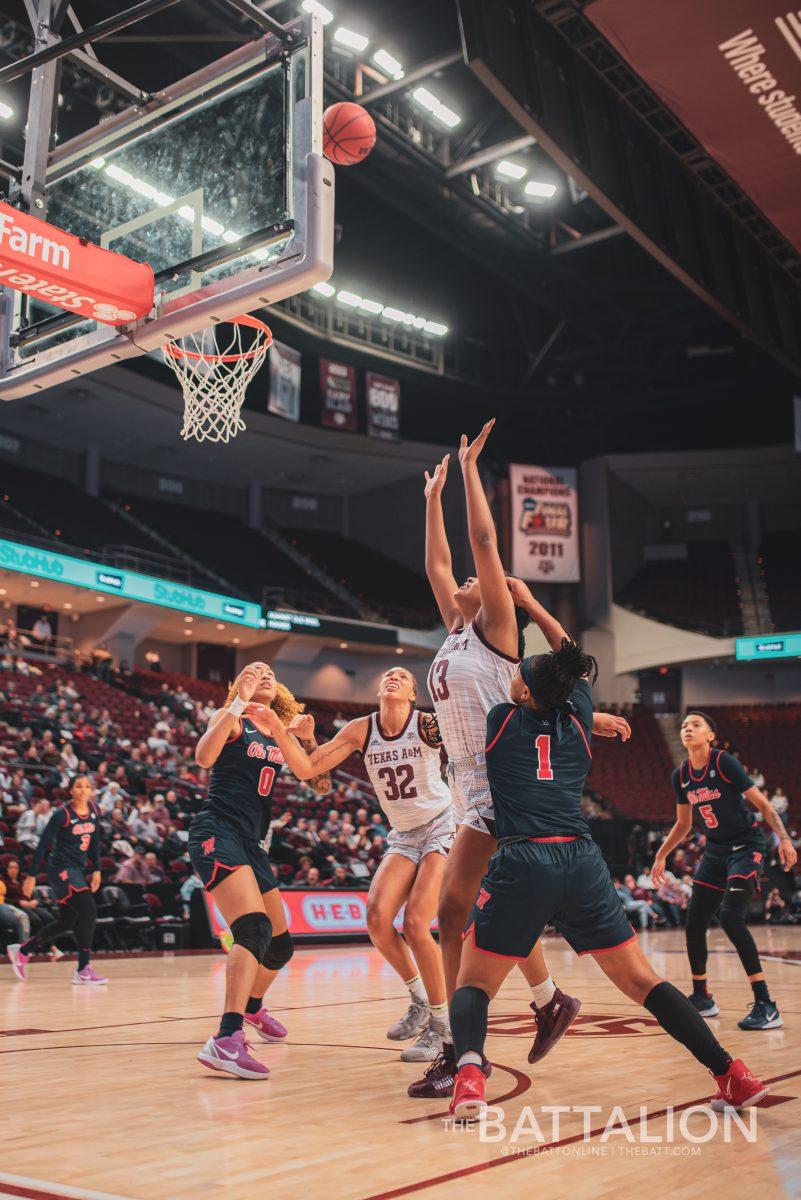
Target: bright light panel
{"points": [[435, 106], [387, 62], [324, 289], [354, 41], [349, 298], [543, 191], [6, 111], [313, 6], [371, 306], [510, 170]]}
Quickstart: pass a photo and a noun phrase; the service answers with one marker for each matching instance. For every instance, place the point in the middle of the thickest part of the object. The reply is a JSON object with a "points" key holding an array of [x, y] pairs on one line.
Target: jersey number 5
{"points": [[543, 744], [266, 780], [399, 782], [710, 820]]}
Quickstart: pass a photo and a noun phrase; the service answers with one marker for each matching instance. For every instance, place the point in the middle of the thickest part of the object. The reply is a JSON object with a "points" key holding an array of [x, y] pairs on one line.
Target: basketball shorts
{"points": [[435, 837], [64, 882], [529, 885], [732, 864], [470, 792], [216, 850]]}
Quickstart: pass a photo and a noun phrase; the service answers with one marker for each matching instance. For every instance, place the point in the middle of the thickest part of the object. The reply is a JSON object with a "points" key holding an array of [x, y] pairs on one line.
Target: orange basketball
{"points": [[348, 133]]}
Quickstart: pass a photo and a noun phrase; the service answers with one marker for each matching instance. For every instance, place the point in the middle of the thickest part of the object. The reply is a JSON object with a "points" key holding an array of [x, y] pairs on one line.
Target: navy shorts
{"points": [[64, 882], [215, 850], [732, 864], [564, 883]]}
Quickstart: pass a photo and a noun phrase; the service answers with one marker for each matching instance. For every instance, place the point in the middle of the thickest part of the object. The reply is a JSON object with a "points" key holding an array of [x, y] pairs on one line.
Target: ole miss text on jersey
{"points": [[716, 791]]}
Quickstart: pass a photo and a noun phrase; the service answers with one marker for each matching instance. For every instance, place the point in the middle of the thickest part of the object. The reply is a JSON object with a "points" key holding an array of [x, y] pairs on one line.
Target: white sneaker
{"points": [[427, 1047], [414, 1020]]}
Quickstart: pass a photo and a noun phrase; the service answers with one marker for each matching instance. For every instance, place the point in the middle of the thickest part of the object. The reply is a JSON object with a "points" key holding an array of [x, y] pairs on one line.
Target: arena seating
{"points": [[636, 776], [780, 554], [700, 592], [765, 737]]}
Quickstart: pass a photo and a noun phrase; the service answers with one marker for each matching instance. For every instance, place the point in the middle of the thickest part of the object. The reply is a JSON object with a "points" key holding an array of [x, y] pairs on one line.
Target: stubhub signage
{"points": [[146, 589]]}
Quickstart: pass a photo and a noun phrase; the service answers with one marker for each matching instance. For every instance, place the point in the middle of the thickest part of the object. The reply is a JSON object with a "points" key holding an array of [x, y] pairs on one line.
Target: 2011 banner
{"points": [[544, 514]]}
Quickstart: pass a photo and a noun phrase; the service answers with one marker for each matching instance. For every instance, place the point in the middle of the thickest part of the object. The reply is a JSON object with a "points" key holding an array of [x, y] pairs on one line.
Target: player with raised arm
{"points": [[401, 751], [226, 852], [485, 618], [727, 877], [549, 870], [72, 838]]}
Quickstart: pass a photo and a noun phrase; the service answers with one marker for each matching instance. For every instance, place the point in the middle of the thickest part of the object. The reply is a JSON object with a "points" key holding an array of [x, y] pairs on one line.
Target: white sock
{"points": [[468, 1057], [439, 1018], [416, 990], [543, 993]]}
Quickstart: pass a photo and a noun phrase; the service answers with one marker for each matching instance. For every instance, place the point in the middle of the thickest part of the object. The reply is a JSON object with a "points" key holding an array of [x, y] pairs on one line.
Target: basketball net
{"points": [[214, 375]]}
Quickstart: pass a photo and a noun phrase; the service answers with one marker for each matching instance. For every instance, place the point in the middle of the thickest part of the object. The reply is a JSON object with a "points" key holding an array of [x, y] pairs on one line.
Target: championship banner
{"points": [[730, 70], [545, 534], [338, 393], [71, 273], [383, 406], [284, 397], [321, 913]]}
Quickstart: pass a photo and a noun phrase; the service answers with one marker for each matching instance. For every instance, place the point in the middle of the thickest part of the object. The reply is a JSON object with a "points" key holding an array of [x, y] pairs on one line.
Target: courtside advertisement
{"points": [[544, 511], [319, 913]]}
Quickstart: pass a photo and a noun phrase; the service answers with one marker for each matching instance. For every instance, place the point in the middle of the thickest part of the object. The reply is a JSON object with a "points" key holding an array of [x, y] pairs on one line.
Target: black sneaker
{"points": [[705, 1005], [763, 1015], [439, 1080]]}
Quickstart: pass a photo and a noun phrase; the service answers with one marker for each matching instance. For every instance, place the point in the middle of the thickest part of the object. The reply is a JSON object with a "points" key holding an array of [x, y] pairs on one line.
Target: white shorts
{"points": [[470, 790], [435, 837]]}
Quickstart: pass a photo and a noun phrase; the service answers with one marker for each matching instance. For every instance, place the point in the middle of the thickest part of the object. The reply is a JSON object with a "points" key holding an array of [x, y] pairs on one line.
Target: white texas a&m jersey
{"points": [[406, 773], [468, 678]]}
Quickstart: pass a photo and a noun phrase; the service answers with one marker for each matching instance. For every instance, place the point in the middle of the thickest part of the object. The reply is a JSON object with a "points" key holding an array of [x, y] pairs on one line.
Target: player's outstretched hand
{"points": [[469, 451], [608, 725], [436, 482], [658, 871], [787, 854], [272, 721], [248, 681], [521, 593], [302, 726]]}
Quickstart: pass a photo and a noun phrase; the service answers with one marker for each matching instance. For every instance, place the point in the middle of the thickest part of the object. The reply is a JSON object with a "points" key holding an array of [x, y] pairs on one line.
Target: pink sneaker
{"points": [[18, 960], [232, 1054], [268, 1029], [88, 975]]}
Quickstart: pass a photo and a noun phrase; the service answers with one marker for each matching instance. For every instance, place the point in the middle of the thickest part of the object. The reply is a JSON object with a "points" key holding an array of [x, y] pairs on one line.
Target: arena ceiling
{"points": [[560, 323]]}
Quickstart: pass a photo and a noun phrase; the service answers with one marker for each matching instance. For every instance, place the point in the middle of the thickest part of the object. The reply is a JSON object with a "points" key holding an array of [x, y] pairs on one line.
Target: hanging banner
{"points": [[730, 72], [71, 273], [338, 395], [383, 406], [284, 398], [545, 534]]}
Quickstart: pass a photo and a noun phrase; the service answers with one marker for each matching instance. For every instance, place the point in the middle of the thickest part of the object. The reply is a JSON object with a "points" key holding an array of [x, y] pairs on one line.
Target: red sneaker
{"points": [[738, 1088], [553, 1021], [469, 1102], [439, 1079]]}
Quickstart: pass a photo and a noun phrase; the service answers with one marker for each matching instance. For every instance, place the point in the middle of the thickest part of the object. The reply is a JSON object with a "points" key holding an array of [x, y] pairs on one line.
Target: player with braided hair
{"points": [[226, 852], [549, 870]]}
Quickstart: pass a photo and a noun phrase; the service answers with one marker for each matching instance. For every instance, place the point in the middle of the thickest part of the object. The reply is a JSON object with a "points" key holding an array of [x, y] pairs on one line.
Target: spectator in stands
{"points": [[110, 797], [757, 777], [377, 826], [142, 826], [43, 631], [37, 914], [339, 722], [69, 758], [636, 910], [333, 824], [31, 824], [340, 878], [671, 900], [13, 918], [301, 876], [155, 874], [775, 908], [160, 813], [313, 878], [641, 893], [779, 801], [133, 870], [353, 791]]}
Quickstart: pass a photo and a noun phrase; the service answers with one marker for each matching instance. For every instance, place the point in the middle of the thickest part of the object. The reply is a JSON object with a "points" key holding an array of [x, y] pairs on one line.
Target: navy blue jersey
{"points": [[537, 765], [73, 840], [717, 792], [241, 782]]}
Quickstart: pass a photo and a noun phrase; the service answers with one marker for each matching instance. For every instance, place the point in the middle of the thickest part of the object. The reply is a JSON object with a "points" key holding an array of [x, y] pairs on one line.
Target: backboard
{"points": [[218, 182]]}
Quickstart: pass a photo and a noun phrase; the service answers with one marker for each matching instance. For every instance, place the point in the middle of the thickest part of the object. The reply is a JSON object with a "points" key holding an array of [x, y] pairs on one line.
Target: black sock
{"points": [[231, 1023], [29, 946], [83, 959], [469, 1020], [253, 1005], [700, 988], [760, 990], [679, 1018]]}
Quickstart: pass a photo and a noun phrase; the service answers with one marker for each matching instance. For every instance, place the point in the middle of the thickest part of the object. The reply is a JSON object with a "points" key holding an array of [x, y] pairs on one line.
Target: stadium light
{"points": [[324, 289], [317, 9], [510, 170], [353, 41], [435, 106], [376, 309], [6, 111], [350, 299], [387, 62], [371, 306], [540, 191], [436, 327]]}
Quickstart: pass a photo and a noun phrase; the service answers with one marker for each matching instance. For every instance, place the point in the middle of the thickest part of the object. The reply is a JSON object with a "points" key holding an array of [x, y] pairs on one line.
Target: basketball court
{"points": [[139, 1119]]}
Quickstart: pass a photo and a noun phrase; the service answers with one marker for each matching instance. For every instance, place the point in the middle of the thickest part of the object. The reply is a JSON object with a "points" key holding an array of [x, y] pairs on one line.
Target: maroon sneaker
{"points": [[439, 1080], [553, 1020]]}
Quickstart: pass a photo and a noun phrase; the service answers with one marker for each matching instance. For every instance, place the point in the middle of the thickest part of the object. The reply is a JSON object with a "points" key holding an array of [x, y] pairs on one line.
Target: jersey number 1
{"points": [[544, 769]]}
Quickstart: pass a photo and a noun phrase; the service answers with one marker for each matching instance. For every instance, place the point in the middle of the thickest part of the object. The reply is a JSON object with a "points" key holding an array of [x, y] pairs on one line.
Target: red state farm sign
{"points": [[70, 272]]}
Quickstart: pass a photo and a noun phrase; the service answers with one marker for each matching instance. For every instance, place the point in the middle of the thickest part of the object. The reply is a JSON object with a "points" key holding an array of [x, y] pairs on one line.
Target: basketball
{"points": [[348, 133]]}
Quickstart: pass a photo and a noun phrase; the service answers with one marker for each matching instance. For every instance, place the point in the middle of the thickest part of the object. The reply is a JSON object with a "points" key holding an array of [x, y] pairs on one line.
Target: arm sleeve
{"points": [[676, 781], [94, 845], [52, 827], [581, 699], [734, 772]]}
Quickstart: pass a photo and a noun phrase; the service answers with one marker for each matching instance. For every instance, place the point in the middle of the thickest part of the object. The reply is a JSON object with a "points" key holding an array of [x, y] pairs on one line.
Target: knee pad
{"points": [[253, 931], [733, 910], [279, 952]]}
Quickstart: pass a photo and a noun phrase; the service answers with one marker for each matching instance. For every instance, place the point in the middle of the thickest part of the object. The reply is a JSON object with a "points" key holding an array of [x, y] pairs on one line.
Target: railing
{"points": [[23, 643]]}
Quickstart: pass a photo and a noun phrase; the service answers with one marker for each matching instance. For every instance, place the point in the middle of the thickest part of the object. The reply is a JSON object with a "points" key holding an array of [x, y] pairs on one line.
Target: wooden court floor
{"points": [[102, 1096]]}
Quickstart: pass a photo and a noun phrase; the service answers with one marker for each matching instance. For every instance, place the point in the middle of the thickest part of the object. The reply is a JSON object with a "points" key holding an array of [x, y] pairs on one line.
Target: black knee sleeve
{"points": [[279, 952], [732, 920], [253, 931], [469, 1008]]}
